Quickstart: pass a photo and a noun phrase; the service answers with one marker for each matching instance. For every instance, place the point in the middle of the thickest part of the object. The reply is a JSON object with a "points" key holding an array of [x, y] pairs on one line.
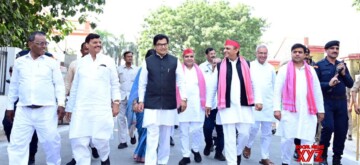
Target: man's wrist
{"points": [[184, 99], [116, 102]]}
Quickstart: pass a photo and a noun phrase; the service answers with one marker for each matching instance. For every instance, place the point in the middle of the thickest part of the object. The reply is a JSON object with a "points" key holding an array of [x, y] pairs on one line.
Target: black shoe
{"points": [[207, 150], [172, 141], [133, 140], [31, 162], [273, 131], [176, 126], [106, 162], [31, 159], [296, 156], [184, 161], [349, 138], [238, 159], [197, 156], [122, 146], [94, 153], [219, 156], [336, 160], [284, 164], [72, 162]]}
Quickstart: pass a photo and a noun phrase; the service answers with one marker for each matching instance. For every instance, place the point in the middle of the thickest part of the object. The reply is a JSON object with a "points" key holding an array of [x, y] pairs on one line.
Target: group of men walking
{"points": [[232, 95]]}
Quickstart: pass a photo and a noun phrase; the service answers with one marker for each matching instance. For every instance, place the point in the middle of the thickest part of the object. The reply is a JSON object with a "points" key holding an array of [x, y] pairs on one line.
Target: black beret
{"points": [[332, 43]]}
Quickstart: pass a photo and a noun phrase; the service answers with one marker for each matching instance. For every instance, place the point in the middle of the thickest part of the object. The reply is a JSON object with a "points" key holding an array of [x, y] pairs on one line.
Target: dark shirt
{"points": [[325, 72]]}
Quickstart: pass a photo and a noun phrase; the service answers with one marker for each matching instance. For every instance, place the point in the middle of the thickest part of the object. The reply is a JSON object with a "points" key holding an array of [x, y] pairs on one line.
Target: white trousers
{"points": [[123, 123], [193, 129], [44, 120], [82, 154], [157, 139], [287, 152], [234, 147], [265, 137]]}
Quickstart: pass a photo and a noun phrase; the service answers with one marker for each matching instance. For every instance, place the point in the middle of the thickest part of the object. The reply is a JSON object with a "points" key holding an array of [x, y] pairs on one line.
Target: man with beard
{"points": [[334, 77], [209, 68], [94, 101], [236, 97]]}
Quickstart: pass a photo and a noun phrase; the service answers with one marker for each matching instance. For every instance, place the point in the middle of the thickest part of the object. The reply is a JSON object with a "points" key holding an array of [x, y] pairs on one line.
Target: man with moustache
{"points": [[94, 101], [38, 86], [127, 74], [297, 102], [334, 78], [192, 120], [209, 68], [236, 97], [160, 75], [68, 82], [264, 75]]}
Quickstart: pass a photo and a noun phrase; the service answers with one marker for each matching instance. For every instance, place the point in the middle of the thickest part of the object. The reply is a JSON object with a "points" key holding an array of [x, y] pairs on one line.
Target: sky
{"points": [[289, 21]]}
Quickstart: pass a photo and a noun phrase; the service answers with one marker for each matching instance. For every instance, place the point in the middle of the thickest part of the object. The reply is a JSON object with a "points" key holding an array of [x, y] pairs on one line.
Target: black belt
{"points": [[34, 106], [335, 97]]}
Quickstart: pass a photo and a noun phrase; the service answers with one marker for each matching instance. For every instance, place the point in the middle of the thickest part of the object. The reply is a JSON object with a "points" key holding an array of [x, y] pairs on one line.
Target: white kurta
{"points": [[95, 85], [235, 113], [264, 76], [301, 124], [167, 117], [194, 112]]}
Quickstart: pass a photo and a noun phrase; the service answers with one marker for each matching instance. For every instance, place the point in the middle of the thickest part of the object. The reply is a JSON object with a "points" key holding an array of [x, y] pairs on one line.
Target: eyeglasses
{"points": [[41, 43], [162, 45]]}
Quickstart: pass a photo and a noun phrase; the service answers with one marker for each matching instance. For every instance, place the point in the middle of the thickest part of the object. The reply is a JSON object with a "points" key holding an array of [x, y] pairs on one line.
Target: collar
{"points": [[29, 56], [131, 66], [161, 57]]}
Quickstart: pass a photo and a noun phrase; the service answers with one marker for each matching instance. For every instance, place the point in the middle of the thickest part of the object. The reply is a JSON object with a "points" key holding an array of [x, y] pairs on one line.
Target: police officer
{"points": [[334, 77]]}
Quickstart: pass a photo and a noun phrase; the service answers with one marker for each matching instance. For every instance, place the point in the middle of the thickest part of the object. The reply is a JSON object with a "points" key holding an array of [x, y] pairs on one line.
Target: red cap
{"points": [[232, 43], [188, 51]]}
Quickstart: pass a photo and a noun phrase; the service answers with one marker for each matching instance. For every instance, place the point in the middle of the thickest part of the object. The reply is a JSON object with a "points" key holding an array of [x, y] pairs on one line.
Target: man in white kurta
{"points": [[191, 121], [160, 75], [127, 74], [238, 113], [39, 86], [300, 124], [263, 74], [95, 88]]}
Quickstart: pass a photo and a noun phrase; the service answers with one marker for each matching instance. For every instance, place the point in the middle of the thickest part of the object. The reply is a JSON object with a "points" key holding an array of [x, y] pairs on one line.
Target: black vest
{"points": [[161, 86], [243, 99]]}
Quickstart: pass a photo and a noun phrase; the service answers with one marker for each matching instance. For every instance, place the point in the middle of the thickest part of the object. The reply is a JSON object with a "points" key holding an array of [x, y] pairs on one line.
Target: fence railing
{"points": [[3, 67]]}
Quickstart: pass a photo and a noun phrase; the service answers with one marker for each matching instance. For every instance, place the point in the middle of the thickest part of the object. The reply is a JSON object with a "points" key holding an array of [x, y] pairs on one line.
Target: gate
{"points": [[3, 62]]}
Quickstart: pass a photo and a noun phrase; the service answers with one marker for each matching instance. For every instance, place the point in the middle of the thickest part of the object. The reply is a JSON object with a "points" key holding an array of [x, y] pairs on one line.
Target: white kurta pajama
{"points": [[159, 122], [191, 120], [35, 82], [236, 117], [301, 124], [264, 76], [95, 85]]}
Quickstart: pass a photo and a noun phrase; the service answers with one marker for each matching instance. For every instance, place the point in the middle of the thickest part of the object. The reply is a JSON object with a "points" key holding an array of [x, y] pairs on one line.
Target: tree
{"points": [[114, 46], [199, 24], [21, 17], [356, 4]]}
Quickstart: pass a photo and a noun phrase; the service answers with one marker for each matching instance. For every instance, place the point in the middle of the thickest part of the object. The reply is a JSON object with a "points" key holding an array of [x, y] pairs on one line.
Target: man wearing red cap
{"points": [[235, 100], [191, 121]]}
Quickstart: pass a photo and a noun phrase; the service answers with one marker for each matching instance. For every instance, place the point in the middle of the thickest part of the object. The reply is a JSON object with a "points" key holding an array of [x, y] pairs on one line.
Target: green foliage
{"points": [[114, 46], [356, 4], [21, 17], [199, 24]]}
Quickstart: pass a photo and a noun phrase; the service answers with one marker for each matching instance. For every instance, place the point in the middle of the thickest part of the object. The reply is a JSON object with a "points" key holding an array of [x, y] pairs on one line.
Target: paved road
{"points": [[124, 156]]}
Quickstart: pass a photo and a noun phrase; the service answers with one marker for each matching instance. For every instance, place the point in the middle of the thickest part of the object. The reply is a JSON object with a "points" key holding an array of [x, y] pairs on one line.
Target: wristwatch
{"points": [[185, 99], [116, 102]]}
